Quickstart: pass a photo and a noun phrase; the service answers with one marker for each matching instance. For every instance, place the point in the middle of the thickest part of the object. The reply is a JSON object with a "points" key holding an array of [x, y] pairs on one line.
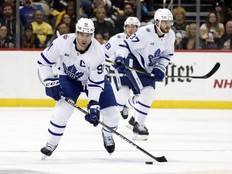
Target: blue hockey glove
{"points": [[94, 113], [53, 89], [159, 74], [120, 64]]}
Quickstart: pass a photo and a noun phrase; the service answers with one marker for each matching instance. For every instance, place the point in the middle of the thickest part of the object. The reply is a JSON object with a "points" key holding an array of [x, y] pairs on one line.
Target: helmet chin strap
{"points": [[158, 28]]}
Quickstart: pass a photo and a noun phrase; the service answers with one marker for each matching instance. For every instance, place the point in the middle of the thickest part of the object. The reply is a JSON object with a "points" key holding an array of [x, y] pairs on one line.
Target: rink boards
{"points": [[20, 85]]}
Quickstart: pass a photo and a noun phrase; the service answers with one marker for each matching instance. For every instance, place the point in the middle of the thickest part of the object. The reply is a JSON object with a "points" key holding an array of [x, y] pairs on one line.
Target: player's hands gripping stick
{"points": [[93, 113]]}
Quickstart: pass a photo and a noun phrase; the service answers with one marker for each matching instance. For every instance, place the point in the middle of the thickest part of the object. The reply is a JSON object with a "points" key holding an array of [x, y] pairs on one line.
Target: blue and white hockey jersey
{"points": [[87, 67], [112, 45], [148, 48]]}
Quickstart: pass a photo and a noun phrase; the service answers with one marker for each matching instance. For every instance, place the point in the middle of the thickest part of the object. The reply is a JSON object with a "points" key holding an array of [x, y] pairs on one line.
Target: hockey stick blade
{"points": [[214, 69], [159, 159]]}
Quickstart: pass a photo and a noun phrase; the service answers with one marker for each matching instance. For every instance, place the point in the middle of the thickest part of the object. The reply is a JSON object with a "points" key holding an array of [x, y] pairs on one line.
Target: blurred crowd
{"points": [[214, 33], [41, 21]]}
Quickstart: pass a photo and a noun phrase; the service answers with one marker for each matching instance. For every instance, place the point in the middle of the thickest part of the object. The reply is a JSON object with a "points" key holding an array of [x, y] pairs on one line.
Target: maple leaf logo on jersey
{"points": [[72, 72], [152, 58]]}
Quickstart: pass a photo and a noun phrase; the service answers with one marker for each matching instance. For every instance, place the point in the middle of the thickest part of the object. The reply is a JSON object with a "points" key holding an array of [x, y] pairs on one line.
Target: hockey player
{"points": [[149, 50], [122, 84], [81, 69]]}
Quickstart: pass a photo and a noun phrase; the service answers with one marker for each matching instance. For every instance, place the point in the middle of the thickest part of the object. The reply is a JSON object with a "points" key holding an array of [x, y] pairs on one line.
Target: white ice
{"points": [[193, 141]]}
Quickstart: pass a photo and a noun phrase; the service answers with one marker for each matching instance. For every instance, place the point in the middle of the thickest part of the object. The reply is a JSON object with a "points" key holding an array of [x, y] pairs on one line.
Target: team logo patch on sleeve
{"points": [[65, 36]]}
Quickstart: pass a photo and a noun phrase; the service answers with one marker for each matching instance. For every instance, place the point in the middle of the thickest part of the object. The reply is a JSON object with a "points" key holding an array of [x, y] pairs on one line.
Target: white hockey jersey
{"points": [[113, 44], [148, 48], [87, 67]]}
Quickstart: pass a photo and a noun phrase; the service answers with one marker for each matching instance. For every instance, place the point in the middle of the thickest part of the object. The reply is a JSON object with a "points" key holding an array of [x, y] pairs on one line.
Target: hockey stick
{"points": [[130, 68], [159, 159], [209, 74]]}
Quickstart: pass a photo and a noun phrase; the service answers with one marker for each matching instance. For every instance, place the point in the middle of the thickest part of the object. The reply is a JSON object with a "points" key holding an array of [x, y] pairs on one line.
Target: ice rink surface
{"points": [[193, 141]]}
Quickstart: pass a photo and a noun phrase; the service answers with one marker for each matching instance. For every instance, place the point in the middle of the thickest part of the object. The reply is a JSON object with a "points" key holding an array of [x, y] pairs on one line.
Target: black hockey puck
{"points": [[148, 162]]}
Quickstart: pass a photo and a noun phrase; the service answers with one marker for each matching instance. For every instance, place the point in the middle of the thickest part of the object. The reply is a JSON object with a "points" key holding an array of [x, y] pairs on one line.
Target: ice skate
{"points": [[47, 150], [108, 143], [140, 132], [131, 123], [125, 112]]}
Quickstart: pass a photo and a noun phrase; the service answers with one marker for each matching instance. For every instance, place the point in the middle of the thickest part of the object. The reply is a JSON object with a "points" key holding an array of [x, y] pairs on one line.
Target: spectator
{"points": [[128, 11], [27, 12], [97, 4], [101, 3], [180, 24], [100, 38], [225, 42], [57, 11], [12, 3], [189, 42], [102, 25], [6, 41], [28, 39], [42, 29], [8, 19], [44, 5], [211, 31], [62, 28], [67, 20], [111, 11], [71, 10], [219, 9], [87, 7], [147, 9]]}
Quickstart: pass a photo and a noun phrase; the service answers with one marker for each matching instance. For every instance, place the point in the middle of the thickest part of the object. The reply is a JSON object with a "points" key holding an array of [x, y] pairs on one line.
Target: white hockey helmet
{"points": [[163, 14], [132, 21], [85, 25]]}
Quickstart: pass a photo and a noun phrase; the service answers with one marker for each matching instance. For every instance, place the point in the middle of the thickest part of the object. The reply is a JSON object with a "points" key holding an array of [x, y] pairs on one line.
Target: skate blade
{"points": [[138, 137]]}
